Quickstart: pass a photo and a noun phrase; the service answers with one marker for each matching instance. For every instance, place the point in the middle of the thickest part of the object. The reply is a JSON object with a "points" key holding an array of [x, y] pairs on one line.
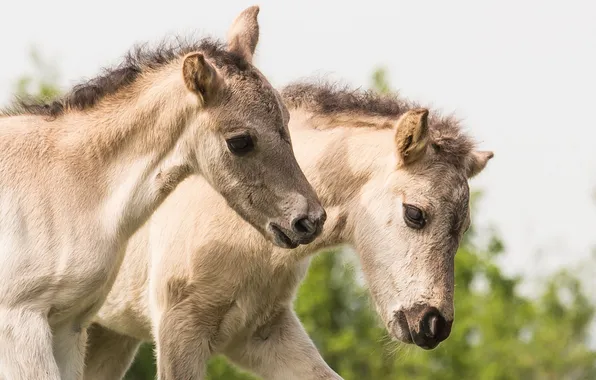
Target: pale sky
{"points": [[521, 74]]}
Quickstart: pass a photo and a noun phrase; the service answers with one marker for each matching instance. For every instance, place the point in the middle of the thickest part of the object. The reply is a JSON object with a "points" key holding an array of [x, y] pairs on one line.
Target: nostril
{"points": [[323, 217], [304, 226], [433, 324]]}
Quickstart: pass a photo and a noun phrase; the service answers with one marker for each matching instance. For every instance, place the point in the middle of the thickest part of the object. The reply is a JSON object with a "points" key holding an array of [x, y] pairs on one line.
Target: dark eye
{"points": [[414, 217], [240, 145]]}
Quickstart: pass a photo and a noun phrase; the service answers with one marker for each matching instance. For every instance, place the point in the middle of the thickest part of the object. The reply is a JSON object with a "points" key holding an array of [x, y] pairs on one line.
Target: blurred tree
{"points": [[143, 368], [498, 333], [380, 81], [43, 83]]}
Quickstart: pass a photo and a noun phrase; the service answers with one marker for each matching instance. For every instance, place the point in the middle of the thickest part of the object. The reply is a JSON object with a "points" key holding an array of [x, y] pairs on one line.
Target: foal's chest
{"points": [[83, 283], [262, 299]]}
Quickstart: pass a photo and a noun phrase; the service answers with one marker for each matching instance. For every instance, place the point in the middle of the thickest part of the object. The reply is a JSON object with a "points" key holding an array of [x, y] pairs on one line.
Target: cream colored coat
{"points": [[202, 283], [78, 177]]}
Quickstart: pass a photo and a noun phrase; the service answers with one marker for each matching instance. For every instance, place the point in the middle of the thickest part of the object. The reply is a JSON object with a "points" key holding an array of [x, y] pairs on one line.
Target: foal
{"points": [[394, 183], [80, 175]]}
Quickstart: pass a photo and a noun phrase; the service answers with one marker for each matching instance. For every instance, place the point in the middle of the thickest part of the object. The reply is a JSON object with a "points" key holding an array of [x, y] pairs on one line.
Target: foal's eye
{"points": [[414, 217], [240, 145]]}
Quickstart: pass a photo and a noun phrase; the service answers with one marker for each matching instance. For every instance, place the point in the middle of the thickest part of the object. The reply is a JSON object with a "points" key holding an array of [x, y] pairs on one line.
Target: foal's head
{"points": [[412, 220], [246, 152]]}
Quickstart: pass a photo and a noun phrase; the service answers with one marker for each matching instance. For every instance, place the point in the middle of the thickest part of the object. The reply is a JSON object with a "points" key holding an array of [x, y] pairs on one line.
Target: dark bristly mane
{"points": [[139, 59], [330, 99]]}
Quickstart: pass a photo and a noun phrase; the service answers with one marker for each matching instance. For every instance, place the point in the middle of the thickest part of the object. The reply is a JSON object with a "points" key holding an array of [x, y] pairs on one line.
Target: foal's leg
{"points": [[282, 350], [26, 346], [69, 351], [109, 354], [182, 343]]}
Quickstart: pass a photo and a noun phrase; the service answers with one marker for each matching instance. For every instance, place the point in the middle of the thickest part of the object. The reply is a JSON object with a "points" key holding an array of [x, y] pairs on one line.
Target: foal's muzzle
{"points": [[303, 229], [432, 329], [423, 325]]}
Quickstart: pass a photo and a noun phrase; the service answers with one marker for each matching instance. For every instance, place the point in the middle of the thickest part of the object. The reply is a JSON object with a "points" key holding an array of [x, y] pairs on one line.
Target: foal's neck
{"points": [[339, 163], [135, 145]]}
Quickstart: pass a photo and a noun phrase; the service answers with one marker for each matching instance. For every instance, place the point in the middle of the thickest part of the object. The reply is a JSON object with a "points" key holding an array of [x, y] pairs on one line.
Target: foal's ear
{"points": [[411, 136], [477, 162], [243, 35], [199, 76]]}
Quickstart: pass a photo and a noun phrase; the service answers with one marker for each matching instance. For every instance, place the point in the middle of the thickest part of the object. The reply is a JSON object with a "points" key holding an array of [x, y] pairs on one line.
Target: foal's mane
{"points": [[139, 59], [333, 100]]}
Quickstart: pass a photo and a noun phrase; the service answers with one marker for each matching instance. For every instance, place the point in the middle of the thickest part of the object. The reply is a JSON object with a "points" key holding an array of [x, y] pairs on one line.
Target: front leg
{"points": [[182, 343], [26, 346], [282, 350], [69, 349]]}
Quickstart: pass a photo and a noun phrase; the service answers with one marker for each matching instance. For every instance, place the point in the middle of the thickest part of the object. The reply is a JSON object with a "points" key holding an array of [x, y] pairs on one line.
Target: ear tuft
{"points": [[477, 162], [199, 76], [411, 135], [243, 35]]}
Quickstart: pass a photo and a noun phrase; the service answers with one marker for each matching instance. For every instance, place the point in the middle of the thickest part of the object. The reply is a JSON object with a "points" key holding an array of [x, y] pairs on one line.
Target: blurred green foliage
{"points": [[42, 84], [380, 81], [498, 333]]}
